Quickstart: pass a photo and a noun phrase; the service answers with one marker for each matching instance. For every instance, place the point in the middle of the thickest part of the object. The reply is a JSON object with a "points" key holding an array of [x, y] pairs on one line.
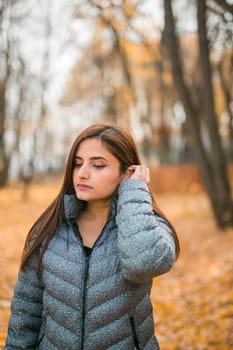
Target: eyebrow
{"points": [[93, 158]]}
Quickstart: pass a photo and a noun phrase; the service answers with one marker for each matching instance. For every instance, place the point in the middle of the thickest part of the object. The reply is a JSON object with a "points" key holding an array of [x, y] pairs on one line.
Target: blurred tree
{"points": [[5, 71], [220, 37], [24, 81], [211, 161], [225, 5], [38, 131], [105, 62], [128, 79], [226, 78]]}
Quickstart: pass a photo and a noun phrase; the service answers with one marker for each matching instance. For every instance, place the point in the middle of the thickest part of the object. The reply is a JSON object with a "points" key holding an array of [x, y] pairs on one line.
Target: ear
{"points": [[127, 174]]}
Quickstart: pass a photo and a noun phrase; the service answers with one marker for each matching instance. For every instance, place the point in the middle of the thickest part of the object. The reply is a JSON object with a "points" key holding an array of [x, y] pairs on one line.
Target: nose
{"points": [[83, 172]]}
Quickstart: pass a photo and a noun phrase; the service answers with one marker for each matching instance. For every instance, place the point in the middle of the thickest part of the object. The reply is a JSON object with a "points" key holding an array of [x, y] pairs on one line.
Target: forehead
{"points": [[93, 147]]}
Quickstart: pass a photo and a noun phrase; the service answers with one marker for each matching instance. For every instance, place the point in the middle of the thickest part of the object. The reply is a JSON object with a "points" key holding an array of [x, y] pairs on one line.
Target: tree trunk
{"points": [[204, 162], [228, 99], [172, 45], [222, 194], [4, 161]]}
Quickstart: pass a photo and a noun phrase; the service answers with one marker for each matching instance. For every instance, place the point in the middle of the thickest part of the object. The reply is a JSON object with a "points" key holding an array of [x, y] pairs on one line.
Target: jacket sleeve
{"points": [[146, 246], [26, 312]]}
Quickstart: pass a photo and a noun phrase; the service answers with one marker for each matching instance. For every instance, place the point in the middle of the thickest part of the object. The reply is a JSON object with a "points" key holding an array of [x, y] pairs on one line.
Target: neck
{"points": [[98, 209]]}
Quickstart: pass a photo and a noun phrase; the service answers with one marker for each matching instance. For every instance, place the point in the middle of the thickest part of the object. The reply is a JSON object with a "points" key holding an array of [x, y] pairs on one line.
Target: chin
{"points": [[82, 197]]}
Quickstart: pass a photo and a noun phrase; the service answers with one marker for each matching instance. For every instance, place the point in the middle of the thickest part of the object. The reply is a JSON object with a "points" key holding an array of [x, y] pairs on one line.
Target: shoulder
{"points": [[133, 190]]}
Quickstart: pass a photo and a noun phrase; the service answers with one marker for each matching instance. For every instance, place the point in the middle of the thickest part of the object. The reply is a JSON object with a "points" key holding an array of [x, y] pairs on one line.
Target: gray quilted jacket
{"points": [[100, 301]]}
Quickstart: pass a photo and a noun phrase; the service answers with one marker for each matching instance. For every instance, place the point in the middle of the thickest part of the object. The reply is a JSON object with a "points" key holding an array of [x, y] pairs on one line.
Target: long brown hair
{"points": [[121, 144]]}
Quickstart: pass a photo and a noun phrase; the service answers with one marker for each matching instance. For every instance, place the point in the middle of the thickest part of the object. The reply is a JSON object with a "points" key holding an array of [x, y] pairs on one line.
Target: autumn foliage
{"points": [[193, 303]]}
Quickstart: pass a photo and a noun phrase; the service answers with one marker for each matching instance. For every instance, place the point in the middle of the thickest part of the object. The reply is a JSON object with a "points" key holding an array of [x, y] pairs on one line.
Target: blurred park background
{"points": [[162, 68]]}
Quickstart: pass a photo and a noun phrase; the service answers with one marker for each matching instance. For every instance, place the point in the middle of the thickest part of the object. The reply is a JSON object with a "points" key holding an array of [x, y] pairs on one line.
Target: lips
{"points": [[83, 187]]}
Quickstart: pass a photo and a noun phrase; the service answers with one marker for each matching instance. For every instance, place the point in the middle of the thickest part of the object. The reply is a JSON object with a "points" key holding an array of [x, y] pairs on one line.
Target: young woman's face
{"points": [[96, 173]]}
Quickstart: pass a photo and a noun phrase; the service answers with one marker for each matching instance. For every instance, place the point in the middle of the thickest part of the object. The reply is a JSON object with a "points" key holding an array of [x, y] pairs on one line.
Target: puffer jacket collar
{"points": [[72, 206]]}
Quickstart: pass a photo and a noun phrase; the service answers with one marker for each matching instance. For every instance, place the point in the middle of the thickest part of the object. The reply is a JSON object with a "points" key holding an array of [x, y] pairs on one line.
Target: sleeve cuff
{"points": [[132, 184]]}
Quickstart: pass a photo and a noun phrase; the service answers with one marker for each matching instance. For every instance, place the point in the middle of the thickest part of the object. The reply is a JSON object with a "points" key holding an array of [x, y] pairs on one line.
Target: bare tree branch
{"points": [[225, 5]]}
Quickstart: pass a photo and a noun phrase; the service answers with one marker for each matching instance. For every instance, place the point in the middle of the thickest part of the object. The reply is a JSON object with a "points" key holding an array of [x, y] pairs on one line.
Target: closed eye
{"points": [[99, 166], [77, 165]]}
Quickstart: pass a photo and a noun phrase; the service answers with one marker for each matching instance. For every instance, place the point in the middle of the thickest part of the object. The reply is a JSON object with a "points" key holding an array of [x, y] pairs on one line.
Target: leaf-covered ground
{"points": [[193, 303]]}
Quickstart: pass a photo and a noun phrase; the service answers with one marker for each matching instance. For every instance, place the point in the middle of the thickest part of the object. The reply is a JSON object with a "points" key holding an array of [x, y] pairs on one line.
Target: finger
{"points": [[141, 172], [145, 174]]}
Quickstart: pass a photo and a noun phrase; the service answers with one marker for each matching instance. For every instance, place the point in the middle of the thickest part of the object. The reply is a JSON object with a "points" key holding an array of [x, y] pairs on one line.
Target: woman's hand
{"points": [[140, 172]]}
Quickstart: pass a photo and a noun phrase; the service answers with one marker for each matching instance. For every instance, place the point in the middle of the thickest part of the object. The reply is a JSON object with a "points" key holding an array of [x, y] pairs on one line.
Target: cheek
{"points": [[111, 178]]}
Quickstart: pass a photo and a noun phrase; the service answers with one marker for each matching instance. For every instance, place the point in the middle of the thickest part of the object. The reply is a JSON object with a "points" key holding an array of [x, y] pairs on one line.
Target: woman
{"points": [[89, 260]]}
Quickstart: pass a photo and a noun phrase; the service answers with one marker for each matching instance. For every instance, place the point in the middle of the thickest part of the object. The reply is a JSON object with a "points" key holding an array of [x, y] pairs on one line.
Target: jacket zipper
{"points": [[85, 278], [135, 337]]}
